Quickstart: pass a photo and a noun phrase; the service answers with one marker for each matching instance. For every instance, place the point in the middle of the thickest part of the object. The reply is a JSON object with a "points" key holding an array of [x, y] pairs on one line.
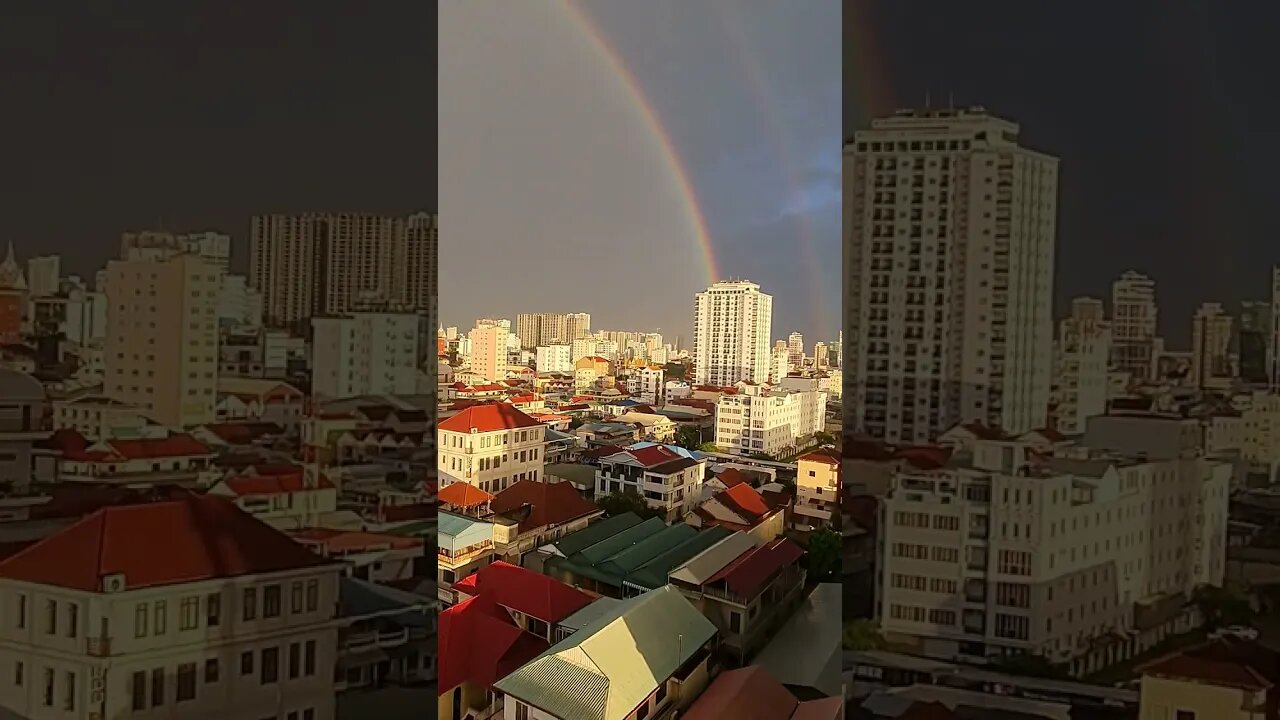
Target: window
{"points": [[211, 670], [661, 694], [522, 711], [186, 682], [246, 663], [295, 597], [213, 610], [735, 622], [69, 691], [18, 667], [295, 652], [22, 611], [643, 711], [250, 603], [138, 687], [271, 601], [73, 619], [160, 617], [189, 615], [1185, 715], [313, 595], [309, 658], [140, 620], [270, 670], [51, 617], [157, 687], [309, 714]]}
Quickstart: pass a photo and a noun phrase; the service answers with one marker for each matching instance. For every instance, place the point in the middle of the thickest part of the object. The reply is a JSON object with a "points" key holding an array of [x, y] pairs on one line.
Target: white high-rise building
{"points": [[1083, 359], [488, 350], [1134, 314], [554, 358], [365, 353], [239, 304], [731, 334], [819, 355], [949, 232], [1211, 347], [327, 264], [650, 386], [161, 347], [779, 365], [213, 247], [44, 275]]}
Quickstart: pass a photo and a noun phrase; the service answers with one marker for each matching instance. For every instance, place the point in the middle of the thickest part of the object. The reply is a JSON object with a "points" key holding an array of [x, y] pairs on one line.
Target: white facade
{"points": [[491, 458], [161, 348], [365, 353], [950, 227], [769, 422], [205, 650], [554, 358], [650, 386], [1083, 358], [1009, 554], [239, 304], [731, 334], [1134, 315]]}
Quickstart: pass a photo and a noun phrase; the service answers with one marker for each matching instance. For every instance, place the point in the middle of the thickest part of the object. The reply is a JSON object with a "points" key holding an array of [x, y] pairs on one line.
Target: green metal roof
{"points": [[654, 573], [605, 670], [625, 561], [594, 533], [458, 531], [610, 546]]}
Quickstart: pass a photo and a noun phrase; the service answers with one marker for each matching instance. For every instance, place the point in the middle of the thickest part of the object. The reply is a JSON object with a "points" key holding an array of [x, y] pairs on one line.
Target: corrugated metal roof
{"points": [[806, 651], [457, 531], [654, 573], [594, 533], [605, 670], [710, 561]]}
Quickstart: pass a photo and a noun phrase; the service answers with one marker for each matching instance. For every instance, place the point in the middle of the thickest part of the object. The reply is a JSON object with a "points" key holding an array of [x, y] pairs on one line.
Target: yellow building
{"points": [[1220, 680]]}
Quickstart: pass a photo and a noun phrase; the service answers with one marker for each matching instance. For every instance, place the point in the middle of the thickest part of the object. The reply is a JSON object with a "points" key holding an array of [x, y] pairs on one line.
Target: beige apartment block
{"points": [[950, 225], [491, 446], [1005, 550], [161, 348], [231, 620]]}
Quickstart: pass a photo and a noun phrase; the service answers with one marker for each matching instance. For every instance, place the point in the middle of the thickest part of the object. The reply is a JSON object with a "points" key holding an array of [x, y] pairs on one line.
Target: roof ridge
{"points": [[81, 521]]}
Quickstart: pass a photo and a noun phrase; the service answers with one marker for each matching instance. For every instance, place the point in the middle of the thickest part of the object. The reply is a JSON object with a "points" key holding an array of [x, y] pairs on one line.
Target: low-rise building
{"points": [[152, 456], [506, 616], [817, 489], [189, 608], [464, 545], [21, 427], [670, 676], [1226, 678], [491, 446], [530, 514], [751, 692], [747, 590], [95, 416], [757, 420], [286, 496], [385, 636], [742, 508], [668, 480]]}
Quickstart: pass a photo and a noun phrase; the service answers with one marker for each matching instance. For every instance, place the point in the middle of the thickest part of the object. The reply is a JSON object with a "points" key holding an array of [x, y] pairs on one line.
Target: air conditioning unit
{"points": [[113, 583]]}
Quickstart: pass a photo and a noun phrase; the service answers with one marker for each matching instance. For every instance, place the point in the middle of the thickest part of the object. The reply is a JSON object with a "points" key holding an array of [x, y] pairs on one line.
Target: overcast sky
{"points": [[197, 115], [1163, 113], [556, 197]]}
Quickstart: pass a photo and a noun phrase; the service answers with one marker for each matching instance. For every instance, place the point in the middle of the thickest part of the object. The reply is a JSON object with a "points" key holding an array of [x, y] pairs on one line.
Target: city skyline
{"points": [[207, 116], [1133, 188], [645, 152]]}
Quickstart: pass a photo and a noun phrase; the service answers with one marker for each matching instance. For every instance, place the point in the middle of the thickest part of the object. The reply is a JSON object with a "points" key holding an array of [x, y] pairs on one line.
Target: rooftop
{"points": [[488, 418], [192, 539]]}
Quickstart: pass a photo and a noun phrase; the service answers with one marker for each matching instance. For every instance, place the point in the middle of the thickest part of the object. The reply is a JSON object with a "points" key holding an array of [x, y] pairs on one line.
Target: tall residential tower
{"points": [[949, 232], [731, 329]]}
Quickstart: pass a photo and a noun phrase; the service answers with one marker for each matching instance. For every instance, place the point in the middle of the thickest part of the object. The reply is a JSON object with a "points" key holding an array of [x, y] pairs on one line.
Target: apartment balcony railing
{"points": [[360, 642], [393, 638], [98, 646]]}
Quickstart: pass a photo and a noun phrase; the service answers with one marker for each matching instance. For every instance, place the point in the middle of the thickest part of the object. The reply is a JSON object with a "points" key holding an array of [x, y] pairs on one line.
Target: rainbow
{"points": [[660, 135]]}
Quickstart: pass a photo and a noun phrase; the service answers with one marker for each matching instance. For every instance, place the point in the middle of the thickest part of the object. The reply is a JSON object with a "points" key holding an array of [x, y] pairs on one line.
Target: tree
{"points": [[760, 456], [688, 437], [824, 556], [1221, 607], [862, 635], [619, 503], [823, 438], [709, 447]]}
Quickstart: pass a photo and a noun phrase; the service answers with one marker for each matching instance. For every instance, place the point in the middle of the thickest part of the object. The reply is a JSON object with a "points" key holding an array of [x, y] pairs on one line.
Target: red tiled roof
{"points": [[488, 418], [548, 503], [827, 457], [733, 476], [75, 446], [273, 483], [162, 543], [653, 455], [1225, 662], [749, 571], [602, 451], [749, 693], [461, 494], [531, 593], [482, 644], [922, 457], [351, 540], [744, 500]]}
